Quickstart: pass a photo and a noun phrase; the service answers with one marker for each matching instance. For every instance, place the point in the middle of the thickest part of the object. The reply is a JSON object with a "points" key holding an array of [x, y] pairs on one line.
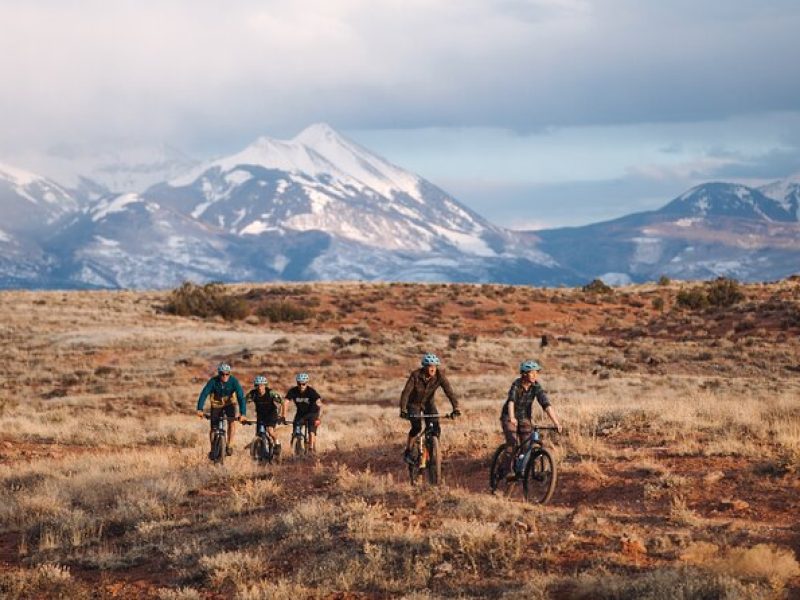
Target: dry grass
{"points": [[675, 473]]}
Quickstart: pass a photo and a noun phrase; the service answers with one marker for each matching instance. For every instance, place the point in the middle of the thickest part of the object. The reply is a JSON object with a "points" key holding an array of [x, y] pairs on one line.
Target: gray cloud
{"points": [[212, 76]]}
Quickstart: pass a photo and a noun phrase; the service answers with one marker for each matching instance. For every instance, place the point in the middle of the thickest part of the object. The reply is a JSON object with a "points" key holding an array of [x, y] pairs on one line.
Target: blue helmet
{"points": [[528, 366], [260, 380], [302, 378], [430, 360], [223, 368]]}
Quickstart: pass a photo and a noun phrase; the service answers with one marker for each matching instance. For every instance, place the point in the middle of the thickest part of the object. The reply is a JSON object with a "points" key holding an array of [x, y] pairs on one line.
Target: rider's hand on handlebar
{"points": [[242, 419], [455, 414], [200, 414], [316, 423], [403, 414]]}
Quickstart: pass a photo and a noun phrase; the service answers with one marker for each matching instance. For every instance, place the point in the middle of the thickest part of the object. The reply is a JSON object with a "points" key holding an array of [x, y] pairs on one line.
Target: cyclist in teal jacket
{"points": [[222, 388]]}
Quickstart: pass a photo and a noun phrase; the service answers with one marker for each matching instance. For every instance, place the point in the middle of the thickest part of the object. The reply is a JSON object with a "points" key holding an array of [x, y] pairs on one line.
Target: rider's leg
{"points": [[416, 429], [510, 434], [312, 432]]}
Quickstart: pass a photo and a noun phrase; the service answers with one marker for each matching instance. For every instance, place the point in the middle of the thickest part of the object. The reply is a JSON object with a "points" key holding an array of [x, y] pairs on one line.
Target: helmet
{"points": [[260, 380], [528, 366], [223, 368], [302, 378], [430, 359]]}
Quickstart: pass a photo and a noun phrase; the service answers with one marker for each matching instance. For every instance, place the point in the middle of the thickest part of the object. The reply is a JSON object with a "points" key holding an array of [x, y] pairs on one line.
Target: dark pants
{"points": [[515, 436], [216, 414], [416, 420], [309, 419]]}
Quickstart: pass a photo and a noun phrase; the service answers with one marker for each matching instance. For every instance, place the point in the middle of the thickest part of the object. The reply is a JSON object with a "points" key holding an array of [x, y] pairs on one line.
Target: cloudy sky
{"points": [[536, 113]]}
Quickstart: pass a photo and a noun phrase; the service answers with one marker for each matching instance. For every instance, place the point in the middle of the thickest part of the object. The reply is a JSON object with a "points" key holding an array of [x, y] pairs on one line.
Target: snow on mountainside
{"points": [[30, 201], [321, 181], [785, 192], [727, 200]]}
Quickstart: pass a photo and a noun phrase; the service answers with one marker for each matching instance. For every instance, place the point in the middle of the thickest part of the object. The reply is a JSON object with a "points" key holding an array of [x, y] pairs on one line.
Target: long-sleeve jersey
{"points": [[523, 400], [222, 394], [420, 389]]}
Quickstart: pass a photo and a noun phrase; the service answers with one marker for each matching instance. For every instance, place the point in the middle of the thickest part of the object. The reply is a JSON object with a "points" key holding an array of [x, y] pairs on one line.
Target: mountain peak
{"points": [[16, 175], [719, 199], [316, 133]]}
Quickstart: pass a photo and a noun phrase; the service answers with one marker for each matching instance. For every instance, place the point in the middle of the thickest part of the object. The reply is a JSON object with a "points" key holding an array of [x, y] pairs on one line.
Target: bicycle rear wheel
{"points": [[539, 481], [434, 466], [501, 475]]}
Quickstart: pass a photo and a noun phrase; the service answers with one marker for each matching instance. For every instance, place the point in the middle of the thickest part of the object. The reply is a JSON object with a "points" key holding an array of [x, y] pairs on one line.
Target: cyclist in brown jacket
{"points": [[418, 398]]}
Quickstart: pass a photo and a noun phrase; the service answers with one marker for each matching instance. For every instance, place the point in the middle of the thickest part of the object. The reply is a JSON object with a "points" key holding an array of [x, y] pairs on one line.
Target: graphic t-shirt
{"points": [[305, 400]]}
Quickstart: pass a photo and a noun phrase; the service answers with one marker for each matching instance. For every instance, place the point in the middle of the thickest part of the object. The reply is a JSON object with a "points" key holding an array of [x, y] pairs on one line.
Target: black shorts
{"points": [[216, 413], [416, 421], [269, 419], [308, 420]]}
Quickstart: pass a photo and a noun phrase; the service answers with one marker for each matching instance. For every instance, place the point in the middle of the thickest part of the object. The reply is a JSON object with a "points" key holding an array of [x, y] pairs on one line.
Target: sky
{"points": [[535, 113]]}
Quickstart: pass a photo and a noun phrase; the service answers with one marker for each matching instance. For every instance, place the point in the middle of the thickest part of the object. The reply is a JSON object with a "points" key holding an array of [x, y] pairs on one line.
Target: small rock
{"points": [[734, 504]]}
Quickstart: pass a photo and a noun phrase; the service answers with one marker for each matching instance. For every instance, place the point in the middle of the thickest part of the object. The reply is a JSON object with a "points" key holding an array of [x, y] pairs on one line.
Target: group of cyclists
{"points": [[417, 402], [270, 405]]}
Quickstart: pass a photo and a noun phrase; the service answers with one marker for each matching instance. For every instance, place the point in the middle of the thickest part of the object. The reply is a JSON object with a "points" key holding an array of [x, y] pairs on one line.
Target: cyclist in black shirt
{"points": [[270, 409], [516, 415], [309, 407]]}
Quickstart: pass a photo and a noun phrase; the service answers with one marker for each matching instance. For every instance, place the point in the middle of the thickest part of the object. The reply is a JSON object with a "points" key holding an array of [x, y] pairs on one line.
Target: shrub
{"points": [[597, 286], [658, 303], [694, 298], [205, 301], [283, 310], [724, 292], [664, 280]]}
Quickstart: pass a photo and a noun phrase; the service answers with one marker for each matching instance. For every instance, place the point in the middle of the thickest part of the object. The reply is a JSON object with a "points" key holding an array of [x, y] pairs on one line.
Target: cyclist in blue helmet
{"points": [[222, 388], [418, 398], [270, 408], [516, 416], [309, 407]]}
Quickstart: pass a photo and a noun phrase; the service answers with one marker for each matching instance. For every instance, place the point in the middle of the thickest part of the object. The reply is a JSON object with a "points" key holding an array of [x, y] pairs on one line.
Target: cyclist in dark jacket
{"points": [[309, 408], [517, 414], [270, 409], [222, 388], [418, 398]]}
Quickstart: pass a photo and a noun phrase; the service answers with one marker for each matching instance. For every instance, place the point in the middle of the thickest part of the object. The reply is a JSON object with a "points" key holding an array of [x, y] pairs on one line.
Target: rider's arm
{"points": [[550, 411], [448, 390], [544, 401], [512, 416], [409, 387], [201, 400], [240, 397]]}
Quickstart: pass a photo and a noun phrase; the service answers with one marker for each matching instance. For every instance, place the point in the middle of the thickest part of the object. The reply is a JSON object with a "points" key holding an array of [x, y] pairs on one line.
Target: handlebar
{"points": [[438, 416]]}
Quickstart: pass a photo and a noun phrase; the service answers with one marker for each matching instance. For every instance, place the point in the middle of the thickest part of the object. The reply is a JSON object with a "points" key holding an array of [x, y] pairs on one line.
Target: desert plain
{"points": [[678, 470]]}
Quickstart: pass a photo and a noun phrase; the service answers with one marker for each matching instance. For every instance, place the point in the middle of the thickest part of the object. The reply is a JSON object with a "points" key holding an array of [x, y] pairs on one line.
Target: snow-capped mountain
{"points": [[30, 201], [322, 182], [712, 230], [786, 192], [319, 206]]}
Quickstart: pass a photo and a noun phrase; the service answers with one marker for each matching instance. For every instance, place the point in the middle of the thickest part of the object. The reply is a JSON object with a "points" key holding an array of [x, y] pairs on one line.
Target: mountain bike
{"points": [[263, 449], [529, 464], [425, 453], [219, 440]]}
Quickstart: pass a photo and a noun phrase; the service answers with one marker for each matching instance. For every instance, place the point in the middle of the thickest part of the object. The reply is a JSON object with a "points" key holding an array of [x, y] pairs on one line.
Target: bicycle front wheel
{"points": [[218, 449], [539, 481], [502, 479], [434, 466], [299, 445], [257, 450]]}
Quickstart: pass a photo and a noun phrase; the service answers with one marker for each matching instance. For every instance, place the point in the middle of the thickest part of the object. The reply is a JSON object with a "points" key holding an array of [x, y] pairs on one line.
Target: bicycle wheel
{"points": [[501, 475], [434, 466], [413, 468], [539, 481], [298, 444], [218, 449], [257, 451]]}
